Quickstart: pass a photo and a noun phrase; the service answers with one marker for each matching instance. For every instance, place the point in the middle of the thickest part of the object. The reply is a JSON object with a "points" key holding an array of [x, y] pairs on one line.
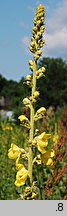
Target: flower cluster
{"points": [[46, 155], [14, 153], [36, 40]]}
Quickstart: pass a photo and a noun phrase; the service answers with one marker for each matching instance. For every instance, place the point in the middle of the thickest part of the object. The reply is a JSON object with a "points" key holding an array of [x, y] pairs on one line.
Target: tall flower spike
{"points": [[35, 44], [35, 139]]}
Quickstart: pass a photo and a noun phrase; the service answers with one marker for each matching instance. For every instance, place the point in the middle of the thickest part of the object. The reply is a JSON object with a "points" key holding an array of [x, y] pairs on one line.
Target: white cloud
{"points": [[58, 17], [56, 31], [57, 39]]}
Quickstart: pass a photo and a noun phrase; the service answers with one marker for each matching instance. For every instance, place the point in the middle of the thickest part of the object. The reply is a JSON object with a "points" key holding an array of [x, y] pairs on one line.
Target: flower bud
{"points": [[40, 113], [31, 65], [28, 83], [40, 14], [40, 72], [42, 29], [28, 77], [36, 94], [41, 43], [37, 55], [24, 121], [26, 102], [32, 44], [32, 49], [34, 30]]}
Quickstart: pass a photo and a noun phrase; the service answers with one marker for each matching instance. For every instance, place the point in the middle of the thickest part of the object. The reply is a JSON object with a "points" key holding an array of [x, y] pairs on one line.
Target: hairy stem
{"points": [[32, 111]]}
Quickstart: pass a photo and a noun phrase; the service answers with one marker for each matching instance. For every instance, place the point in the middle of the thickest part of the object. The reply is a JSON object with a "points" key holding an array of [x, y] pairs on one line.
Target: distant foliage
{"points": [[53, 87]]}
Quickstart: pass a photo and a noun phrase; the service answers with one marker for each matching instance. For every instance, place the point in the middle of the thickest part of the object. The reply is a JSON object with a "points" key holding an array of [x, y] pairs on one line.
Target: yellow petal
{"points": [[47, 157], [19, 183], [28, 77], [44, 136], [33, 195], [41, 110], [15, 147], [12, 155], [22, 118], [21, 177], [52, 153], [49, 162], [19, 166], [14, 151], [42, 143], [41, 149]]}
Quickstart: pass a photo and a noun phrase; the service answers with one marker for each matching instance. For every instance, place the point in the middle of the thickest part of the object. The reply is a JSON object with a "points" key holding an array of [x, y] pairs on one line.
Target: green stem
{"points": [[32, 110]]}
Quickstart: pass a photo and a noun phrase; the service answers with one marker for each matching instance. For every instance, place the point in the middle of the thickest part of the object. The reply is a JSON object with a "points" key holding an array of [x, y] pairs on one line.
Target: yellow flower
{"points": [[33, 195], [40, 70], [36, 94], [21, 177], [49, 162], [24, 120], [19, 166], [42, 141], [26, 102], [40, 113], [47, 158], [41, 110], [31, 63], [14, 151]]}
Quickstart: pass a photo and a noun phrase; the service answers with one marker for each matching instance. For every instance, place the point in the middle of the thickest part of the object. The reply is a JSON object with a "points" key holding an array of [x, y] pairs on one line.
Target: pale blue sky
{"points": [[16, 21]]}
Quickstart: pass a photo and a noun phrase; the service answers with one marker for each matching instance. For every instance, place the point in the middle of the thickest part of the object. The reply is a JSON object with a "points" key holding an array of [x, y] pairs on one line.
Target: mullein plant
{"points": [[36, 140]]}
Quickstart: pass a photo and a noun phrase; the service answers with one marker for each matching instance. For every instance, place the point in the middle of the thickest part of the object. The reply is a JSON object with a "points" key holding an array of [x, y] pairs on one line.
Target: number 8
{"points": [[60, 206]]}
